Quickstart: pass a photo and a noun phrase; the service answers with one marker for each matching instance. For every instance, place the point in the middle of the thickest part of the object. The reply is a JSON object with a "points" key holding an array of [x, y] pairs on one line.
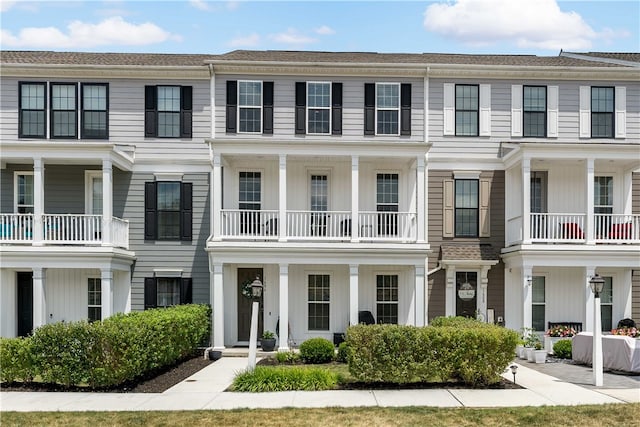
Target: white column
{"points": [[355, 195], [283, 330], [526, 200], [420, 202], [282, 198], [38, 201], [425, 221], [217, 303], [39, 297], [481, 301], [625, 292], [589, 272], [597, 344], [589, 220], [216, 197], [212, 100], [353, 294], [419, 295], [106, 278], [527, 295], [450, 292], [627, 192], [107, 202]]}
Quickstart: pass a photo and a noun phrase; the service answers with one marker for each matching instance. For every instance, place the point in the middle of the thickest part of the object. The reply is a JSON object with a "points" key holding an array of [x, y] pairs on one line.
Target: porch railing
{"points": [[557, 227], [240, 223], [387, 226], [319, 224], [120, 232], [617, 228], [16, 228]]}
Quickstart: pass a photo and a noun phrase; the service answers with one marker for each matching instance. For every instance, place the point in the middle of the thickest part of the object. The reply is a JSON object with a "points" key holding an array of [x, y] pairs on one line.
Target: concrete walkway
{"points": [[205, 390]]}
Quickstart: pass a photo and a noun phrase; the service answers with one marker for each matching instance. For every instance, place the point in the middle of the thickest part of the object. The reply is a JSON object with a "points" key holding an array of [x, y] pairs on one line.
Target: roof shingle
{"points": [[469, 252]]}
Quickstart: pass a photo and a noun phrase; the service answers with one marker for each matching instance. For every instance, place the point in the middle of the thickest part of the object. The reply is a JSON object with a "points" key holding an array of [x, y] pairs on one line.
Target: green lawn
{"points": [[592, 415]]}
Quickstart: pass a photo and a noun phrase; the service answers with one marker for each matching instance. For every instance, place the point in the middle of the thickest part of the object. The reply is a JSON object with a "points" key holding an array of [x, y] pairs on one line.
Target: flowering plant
{"points": [[561, 331], [629, 332]]}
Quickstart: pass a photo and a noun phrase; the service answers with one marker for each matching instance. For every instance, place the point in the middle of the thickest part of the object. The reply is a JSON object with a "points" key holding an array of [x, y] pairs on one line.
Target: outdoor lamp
{"points": [[596, 284], [514, 369], [256, 288]]}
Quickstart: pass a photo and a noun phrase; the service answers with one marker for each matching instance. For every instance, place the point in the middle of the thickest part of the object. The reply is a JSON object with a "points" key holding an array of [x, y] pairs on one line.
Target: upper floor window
{"points": [[466, 208], [467, 110], [95, 112], [168, 210], [63, 111], [534, 111], [318, 107], [249, 106], [168, 111], [24, 192], [603, 195], [387, 109], [32, 106], [602, 107]]}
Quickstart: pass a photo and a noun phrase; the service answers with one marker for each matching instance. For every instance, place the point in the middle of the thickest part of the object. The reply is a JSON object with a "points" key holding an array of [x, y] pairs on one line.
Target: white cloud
{"points": [[251, 40], [111, 31], [6, 5], [527, 23], [199, 4], [292, 37], [324, 30], [233, 5]]}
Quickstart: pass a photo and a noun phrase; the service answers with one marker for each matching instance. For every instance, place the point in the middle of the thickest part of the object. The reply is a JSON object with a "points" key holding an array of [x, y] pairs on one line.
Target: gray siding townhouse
{"points": [[357, 186]]}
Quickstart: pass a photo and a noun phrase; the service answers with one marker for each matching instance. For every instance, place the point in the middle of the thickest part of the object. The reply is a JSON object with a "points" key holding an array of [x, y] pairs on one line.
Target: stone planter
{"points": [[530, 354], [523, 353], [540, 356]]}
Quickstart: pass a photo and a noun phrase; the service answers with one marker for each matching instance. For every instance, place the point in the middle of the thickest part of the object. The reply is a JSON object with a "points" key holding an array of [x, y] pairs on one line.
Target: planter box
{"points": [[540, 356], [531, 354]]}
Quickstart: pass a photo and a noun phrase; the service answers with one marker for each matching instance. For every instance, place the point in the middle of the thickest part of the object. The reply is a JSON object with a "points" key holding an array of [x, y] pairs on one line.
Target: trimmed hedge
{"points": [[562, 349], [317, 350], [16, 360], [122, 348], [467, 352]]}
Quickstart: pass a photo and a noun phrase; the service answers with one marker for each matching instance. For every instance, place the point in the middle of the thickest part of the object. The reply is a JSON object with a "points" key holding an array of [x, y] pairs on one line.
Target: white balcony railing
{"points": [[617, 228], [399, 226], [62, 229], [240, 223], [319, 225], [557, 227]]}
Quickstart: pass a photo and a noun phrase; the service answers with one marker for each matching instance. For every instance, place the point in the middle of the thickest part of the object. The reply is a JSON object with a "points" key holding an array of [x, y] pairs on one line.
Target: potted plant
{"points": [[268, 341], [556, 334], [531, 342], [540, 354], [528, 341]]}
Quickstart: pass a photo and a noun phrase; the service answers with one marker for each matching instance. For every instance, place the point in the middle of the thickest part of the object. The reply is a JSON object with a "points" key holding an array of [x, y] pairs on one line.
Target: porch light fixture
{"points": [[514, 370], [529, 280], [596, 283], [256, 292]]}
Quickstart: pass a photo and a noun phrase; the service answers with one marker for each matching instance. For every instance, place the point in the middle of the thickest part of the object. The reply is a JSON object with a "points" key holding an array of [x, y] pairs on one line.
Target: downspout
{"points": [[435, 270]]}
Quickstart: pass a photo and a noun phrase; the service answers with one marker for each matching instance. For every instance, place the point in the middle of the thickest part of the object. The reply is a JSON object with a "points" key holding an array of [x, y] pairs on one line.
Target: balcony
{"points": [[63, 229], [574, 228], [318, 226]]}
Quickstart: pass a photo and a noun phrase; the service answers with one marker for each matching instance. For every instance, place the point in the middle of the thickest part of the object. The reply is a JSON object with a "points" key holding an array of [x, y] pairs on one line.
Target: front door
{"points": [[466, 294], [24, 282], [247, 275]]}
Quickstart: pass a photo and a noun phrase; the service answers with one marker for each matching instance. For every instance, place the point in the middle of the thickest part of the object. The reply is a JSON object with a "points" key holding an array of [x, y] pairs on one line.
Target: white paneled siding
{"points": [[566, 189], [66, 294], [8, 302], [564, 294]]}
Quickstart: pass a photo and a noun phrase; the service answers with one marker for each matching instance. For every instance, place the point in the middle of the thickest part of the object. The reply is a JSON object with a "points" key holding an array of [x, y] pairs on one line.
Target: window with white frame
{"points": [[250, 106], [94, 286], [319, 204], [168, 291], [169, 111], [538, 303], [249, 199], [467, 110], [466, 207], [602, 109], [387, 204], [603, 195], [606, 304], [24, 192], [318, 107], [387, 108], [534, 107], [318, 300], [387, 298]]}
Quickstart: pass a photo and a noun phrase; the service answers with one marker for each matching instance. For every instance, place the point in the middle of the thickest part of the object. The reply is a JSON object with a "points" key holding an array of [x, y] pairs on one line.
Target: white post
{"points": [[282, 199], [419, 296], [216, 197], [450, 292], [38, 201], [590, 218], [106, 284], [217, 303], [353, 294], [355, 195], [527, 296], [526, 200], [597, 343], [421, 202], [253, 337], [481, 300], [283, 332], [39, 298], [107, 202]]}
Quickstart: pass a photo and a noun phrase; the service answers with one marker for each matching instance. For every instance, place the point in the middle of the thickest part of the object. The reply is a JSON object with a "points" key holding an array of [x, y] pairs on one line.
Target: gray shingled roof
{"points": [[469, 252], [188, 60], [622, 56]]}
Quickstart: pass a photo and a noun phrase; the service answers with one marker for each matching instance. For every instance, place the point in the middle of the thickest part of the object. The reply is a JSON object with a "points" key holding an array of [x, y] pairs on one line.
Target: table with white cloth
{"points": [[619, 353]]}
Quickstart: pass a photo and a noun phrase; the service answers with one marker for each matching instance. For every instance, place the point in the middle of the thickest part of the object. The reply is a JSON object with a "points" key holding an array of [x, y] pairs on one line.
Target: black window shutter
{"points": [[186, 292], [301, 104], [267, 107], [186, 111], [369, 109], [150, 293], [336, 108], [150, 111], [186, 212], [232, 104], [150, 207], [405, 109]]}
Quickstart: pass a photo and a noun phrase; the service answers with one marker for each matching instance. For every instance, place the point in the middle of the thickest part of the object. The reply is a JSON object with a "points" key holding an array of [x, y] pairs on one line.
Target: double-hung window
{"points": [[387, 298], [606, 304], [387, 108], [95, 113], [250, 106], [467, 110], [32, 106], [318, 107], [167, 291], [534, 111], [63, 110], [94, 286], [602, 108], [466, 208], [168, 210], [168, 111], [538, 303], [318, 300]]}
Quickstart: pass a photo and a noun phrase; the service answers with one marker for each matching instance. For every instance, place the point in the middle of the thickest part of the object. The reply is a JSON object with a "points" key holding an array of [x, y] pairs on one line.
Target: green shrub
{"points": [[279, 378], [406, 354], [458, 322], [343, 353], [562, 349], [16, 361], [317, 350], [287, 356]]}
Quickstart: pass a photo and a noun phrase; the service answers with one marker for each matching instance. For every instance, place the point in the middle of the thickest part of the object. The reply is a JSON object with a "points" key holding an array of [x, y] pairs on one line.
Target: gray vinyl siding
{"points": [[190, 257], [635, 296], [352, 107], [437, 281]]}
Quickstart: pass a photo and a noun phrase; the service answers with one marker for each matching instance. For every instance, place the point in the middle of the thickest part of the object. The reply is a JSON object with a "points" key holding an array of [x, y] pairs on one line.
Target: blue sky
{"points": [[539, 27]]}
